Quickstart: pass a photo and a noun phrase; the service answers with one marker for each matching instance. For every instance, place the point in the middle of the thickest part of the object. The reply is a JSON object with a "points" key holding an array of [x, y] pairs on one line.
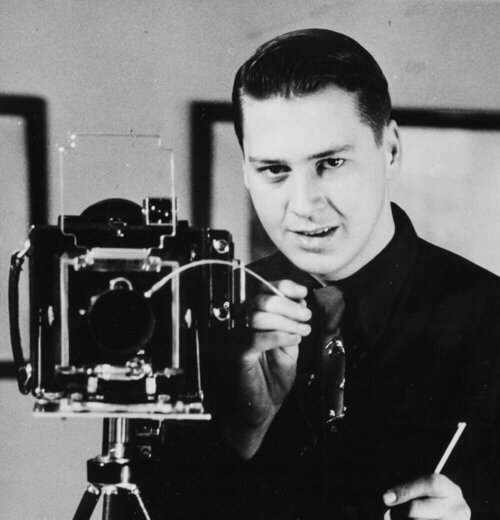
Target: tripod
{"points": [[112, 475]]}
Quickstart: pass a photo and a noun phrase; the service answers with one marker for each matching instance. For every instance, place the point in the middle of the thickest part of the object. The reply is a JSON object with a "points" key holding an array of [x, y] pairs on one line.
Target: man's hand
{"points": [[432, 496], [263, 361]]}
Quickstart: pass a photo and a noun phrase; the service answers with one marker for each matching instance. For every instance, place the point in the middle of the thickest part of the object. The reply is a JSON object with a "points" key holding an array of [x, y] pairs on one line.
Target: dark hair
{"points": [[306, 61]]}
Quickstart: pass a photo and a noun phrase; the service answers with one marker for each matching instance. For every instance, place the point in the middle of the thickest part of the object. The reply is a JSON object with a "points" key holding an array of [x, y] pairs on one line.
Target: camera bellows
{"points": [[121, 320]]}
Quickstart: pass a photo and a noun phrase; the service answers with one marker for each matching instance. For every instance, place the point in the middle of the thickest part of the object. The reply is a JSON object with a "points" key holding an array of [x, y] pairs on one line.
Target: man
{"points": [[312, 114]]}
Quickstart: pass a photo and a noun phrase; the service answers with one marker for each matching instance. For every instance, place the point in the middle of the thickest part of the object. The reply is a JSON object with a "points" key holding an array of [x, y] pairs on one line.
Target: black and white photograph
{"points": [[249, 260]]}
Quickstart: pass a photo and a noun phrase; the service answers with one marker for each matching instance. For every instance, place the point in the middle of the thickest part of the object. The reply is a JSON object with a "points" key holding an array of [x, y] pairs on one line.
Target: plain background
{"points": [[131, 66]]}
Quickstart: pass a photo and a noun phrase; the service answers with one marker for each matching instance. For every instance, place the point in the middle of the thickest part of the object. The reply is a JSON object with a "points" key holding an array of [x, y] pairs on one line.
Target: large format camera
{"points": [[114, 325]]}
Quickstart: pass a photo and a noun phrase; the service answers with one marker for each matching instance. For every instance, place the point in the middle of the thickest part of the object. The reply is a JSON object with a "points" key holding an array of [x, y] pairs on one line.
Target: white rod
{"points": [[460, 428]]}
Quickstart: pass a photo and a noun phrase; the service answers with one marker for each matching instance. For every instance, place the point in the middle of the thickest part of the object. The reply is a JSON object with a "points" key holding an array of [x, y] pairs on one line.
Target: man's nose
{"points": [[307, 193]]}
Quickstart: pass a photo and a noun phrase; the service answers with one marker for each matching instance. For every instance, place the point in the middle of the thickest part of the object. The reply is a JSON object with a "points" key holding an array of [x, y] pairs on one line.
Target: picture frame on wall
{"points": [[23, 195]]}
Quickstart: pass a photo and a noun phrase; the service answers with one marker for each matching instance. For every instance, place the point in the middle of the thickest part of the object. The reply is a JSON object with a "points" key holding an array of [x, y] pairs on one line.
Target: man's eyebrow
{"points": [[261, 160], [319, 155], [332, 151]]}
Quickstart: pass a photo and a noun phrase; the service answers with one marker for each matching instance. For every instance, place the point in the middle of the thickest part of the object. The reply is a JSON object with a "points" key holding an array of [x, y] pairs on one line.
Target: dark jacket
{"points": [[428, 325], [425, 324]]}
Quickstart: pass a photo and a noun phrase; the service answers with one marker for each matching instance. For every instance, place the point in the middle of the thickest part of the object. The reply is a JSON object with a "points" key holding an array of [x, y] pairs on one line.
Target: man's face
{"points": [[318, 179]]}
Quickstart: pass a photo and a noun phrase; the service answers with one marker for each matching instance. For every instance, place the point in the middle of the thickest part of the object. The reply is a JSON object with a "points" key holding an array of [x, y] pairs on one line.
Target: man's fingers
{"points": [[292, 307], [295, 310], [282, 306], [263, 341], [264, 321], [432, 486], [430, 508], [289, 289], [266, 341]]}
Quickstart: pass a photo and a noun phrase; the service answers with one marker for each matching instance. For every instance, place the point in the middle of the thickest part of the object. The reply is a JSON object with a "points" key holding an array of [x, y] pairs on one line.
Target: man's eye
{"points": [[274, 170], [330, 163]]}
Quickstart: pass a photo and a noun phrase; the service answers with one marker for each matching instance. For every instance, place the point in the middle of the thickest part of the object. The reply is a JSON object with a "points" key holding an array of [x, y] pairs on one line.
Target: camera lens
{"points": [[121, 320]]}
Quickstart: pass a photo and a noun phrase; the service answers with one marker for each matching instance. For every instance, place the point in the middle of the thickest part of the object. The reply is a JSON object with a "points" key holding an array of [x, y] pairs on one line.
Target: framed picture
{"points": [[449, 184], [23, 196]]}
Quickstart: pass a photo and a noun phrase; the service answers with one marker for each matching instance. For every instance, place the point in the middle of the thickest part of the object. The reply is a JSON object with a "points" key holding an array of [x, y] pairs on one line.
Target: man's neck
{"points": [[381, 235]]}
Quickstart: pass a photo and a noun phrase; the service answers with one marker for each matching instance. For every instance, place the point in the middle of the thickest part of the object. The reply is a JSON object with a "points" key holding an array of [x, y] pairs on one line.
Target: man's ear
{"points": [[392, 144]]}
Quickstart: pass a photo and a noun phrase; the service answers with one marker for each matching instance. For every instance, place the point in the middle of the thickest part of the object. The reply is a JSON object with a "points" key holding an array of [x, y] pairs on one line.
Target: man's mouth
{"points": [[317, 233]]}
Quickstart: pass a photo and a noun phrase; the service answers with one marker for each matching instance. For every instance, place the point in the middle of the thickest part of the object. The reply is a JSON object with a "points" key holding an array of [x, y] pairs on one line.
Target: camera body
{"points": [[101, 338]]}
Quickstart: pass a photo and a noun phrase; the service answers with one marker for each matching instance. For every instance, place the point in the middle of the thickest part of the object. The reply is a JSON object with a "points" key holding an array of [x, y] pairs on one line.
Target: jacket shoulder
{"points": [[456, 276]]}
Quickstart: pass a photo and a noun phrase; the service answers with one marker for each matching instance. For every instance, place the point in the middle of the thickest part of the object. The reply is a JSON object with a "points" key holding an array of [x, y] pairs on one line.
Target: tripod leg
{"points": [[137, 495], [123, 504], [87, 503], [110, 508]]}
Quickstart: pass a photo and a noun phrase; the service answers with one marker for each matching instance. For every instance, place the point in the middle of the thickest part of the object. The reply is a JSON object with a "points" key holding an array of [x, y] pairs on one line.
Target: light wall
{"points": [[132, 66]]}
